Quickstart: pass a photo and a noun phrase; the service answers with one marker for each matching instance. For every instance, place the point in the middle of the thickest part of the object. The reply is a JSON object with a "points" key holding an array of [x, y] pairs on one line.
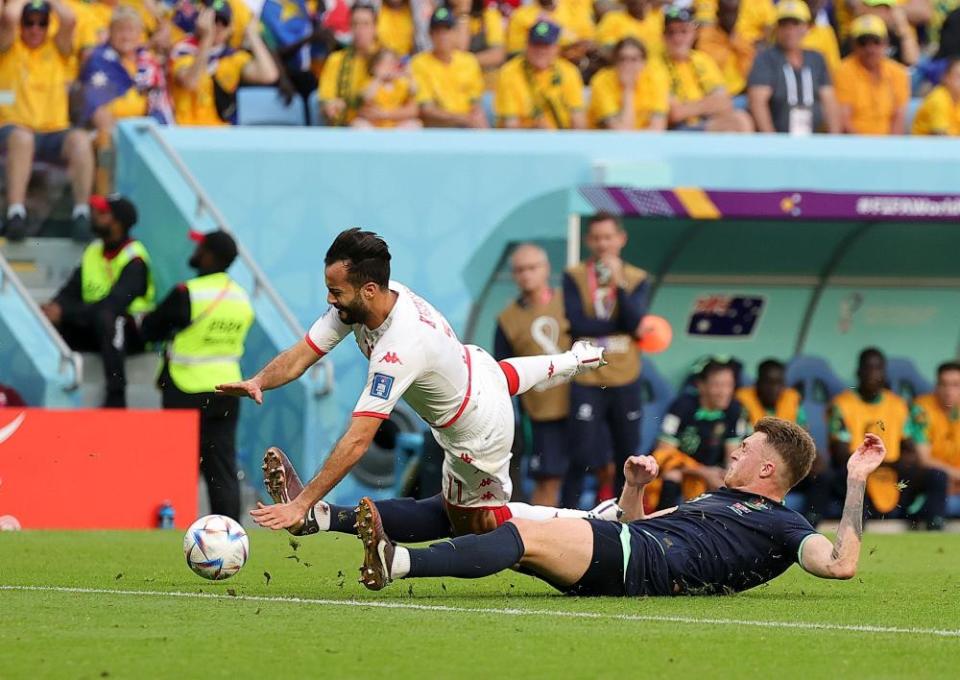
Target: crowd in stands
{"points": [[70, 68], [592, 425]]}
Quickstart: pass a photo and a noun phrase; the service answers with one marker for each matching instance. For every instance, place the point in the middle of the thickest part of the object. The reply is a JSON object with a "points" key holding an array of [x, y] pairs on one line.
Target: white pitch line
{"points": [[380, 604]]}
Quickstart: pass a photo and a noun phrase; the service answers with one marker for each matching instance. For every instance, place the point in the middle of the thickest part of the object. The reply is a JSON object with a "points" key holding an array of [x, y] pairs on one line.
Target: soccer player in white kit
{"points": [[462, 393]]}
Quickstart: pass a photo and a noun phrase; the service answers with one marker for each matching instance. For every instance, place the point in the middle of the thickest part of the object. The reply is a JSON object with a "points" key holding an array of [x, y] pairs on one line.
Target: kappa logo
{"points": [[8, 430], [550, 370], [390, 358]]}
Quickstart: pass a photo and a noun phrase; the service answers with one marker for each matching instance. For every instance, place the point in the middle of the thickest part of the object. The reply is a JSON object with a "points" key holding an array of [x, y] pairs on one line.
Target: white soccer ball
{"points": [[216, 547]]}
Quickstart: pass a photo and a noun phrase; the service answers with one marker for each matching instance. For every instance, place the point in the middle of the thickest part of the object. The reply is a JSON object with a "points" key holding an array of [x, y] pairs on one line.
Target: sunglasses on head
{"points": [[865, 40]]}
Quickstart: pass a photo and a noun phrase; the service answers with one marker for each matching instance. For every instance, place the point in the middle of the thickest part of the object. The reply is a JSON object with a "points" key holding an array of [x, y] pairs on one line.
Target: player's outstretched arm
{"points": [[344, 456], [282, 369], [638, 471], [839, 559]]}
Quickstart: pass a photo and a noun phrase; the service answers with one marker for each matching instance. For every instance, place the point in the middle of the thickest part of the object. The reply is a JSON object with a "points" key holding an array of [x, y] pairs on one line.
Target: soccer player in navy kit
{"points": [[725, 541]]}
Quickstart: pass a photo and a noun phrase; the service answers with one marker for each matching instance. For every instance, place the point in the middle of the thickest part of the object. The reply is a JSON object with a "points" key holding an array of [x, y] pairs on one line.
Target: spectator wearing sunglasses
{"points": [[872, 89], [34, 115], [207, 71]]}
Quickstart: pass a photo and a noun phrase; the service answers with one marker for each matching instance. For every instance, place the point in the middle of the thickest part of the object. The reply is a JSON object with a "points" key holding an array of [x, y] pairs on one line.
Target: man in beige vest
{"points": [[535, 324], [605, 300]]}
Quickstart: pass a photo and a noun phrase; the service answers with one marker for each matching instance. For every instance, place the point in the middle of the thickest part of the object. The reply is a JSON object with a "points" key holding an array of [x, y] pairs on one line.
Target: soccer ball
{"points": [[216, 547]]}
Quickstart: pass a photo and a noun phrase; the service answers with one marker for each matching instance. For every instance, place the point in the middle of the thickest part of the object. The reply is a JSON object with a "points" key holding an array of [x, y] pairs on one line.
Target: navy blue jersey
{"points": [[703, 434], [723, 541]]}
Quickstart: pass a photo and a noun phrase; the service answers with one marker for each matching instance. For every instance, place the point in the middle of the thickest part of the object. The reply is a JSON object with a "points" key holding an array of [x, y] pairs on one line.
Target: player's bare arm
{"points": [[348, 450], [282, 369], [638, 471], [839, 559]]}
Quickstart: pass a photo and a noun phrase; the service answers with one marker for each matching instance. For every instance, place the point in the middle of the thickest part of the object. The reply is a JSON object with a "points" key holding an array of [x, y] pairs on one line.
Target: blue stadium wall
{"points": [[450, 203]]}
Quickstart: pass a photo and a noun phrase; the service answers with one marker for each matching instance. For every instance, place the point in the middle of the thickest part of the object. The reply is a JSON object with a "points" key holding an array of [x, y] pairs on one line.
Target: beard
{"points": [[354, 313]]}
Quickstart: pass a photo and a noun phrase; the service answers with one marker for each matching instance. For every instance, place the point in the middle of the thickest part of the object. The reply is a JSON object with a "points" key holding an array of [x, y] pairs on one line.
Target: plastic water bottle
{"points": [[165, 515]]}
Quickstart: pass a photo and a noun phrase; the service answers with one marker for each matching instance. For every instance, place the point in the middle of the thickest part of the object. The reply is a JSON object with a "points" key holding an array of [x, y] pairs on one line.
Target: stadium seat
{"points": [[313, 109], [818, 384], [658, 394], [905, 379], [264, 106], [911, 113]]}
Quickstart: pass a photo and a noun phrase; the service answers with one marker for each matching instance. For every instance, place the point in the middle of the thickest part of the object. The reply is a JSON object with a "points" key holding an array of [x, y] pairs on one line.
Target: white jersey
{"points": [[413, 354]]}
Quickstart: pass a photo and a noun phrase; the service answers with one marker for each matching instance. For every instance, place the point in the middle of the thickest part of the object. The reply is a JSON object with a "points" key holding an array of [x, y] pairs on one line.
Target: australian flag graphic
{"points": [[725, 315]]}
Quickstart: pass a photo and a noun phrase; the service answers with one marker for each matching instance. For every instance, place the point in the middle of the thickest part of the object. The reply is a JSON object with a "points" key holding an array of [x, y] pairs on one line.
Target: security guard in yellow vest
{"points": [[605, 300], [205, 323], [95, 311], [896, 486], [535, 324]]}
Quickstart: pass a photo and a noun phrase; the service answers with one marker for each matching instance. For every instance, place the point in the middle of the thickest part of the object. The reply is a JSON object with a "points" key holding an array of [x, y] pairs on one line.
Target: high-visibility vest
{"points": [[98, 274], [207, 352]]}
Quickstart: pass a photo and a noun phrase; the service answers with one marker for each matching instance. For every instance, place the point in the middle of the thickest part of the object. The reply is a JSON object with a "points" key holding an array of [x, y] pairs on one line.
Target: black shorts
{"points": [[604, 424], [550, 456], [641, 571]]}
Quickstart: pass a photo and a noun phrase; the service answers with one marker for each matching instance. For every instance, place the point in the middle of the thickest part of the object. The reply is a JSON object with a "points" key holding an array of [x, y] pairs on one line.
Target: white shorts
{"points": [[476, 461]]}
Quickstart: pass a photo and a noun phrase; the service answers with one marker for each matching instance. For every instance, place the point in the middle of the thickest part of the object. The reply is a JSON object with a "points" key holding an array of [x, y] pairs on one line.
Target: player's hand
{"points": [[247, 388], [866, 458], [204, 25], [640, 470], [278, 516]]}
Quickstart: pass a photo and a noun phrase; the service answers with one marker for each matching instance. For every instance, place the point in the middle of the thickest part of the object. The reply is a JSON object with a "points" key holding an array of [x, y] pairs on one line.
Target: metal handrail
{"points": [[67, 355], [260, 281]]}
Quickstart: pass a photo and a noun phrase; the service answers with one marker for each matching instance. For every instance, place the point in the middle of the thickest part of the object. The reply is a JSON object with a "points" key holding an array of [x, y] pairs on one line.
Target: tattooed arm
{"points": [[839, 559]]}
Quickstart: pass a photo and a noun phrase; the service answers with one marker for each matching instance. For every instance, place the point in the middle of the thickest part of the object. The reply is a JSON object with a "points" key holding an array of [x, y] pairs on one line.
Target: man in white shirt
{"points": [[459, 390]]}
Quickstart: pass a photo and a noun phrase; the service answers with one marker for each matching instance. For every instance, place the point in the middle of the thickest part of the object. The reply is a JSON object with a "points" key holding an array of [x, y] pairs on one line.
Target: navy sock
{"points": [[405, 520], [469, 556]]}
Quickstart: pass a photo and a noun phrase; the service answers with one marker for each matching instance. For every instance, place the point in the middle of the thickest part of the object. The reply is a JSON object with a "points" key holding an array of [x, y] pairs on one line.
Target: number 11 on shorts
{"points": [[450, 482]]}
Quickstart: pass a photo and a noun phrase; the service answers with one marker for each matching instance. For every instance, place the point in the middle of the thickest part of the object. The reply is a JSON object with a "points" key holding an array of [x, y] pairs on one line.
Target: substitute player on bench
{"points": [[728, 540], [459, 390]]}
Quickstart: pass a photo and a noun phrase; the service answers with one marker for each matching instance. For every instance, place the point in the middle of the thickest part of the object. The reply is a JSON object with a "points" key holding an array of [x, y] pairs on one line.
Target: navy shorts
{"points": [[625, 562], [604, 424], [551, 452], [47, 146]]}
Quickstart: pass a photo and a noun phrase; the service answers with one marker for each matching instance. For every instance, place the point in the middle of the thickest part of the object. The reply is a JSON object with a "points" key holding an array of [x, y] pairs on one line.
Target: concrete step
{"points": [[43, 264], [142, 391]]}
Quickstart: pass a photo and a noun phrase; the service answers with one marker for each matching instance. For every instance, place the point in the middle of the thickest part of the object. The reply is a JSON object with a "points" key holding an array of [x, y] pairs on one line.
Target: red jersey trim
{"points": [[466, 399], [313, 345], [370, 414]]}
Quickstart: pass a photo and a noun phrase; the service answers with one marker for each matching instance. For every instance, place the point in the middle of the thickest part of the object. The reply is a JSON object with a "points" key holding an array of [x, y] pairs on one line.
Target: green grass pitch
{"points": [[899, 618]]}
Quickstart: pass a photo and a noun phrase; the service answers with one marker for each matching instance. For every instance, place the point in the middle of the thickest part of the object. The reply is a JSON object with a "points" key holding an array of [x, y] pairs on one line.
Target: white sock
{"points": [[550, 369], [541, 513], [322, 515], [81, 210], [16, 209], [401, 563]]}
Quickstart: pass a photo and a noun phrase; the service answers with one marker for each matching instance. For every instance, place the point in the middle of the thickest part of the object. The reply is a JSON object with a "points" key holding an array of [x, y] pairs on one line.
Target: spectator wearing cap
{"points": [[873, 90], [538, 89], [449, 81], [389, 98], [902, 43], [821, 37], [346, 72], [395, 27], [633, 94], [207, 71], [639, 19], [577, 29], [34, 116], [95, 309], [698, 97], [121, 79], [204, 323], [790, 88], [732, 53], [939, 114]]}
